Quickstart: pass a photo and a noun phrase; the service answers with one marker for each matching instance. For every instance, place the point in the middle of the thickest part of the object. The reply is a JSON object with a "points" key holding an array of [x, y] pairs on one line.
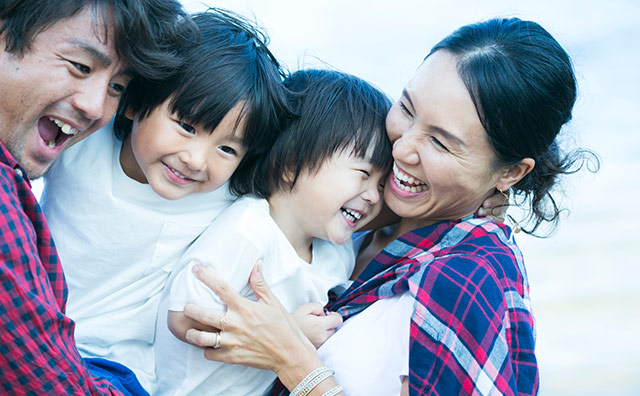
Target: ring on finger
{"points": [[223, 320], [218, 341]]}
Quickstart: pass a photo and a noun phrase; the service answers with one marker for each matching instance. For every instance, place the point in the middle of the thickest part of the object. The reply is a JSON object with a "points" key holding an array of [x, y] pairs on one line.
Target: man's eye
{"points": [[227, 149], [187, 127], [81, 68]]}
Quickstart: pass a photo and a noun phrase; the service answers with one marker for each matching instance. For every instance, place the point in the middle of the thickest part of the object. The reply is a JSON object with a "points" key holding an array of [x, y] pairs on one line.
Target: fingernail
{"points": [[196, 268]]}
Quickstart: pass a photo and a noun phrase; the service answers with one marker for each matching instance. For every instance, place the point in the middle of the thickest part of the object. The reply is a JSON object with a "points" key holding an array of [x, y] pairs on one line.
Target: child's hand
{"points": [[315, 324], [495, 207]]}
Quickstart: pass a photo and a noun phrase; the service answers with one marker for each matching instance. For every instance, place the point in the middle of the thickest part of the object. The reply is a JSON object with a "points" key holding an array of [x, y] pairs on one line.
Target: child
{"points": [[124, 206], [322, 181]]}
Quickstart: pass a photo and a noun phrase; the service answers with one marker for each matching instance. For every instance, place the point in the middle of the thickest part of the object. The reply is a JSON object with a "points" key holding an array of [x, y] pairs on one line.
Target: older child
{"points": [[322, 181], [124, 206]]}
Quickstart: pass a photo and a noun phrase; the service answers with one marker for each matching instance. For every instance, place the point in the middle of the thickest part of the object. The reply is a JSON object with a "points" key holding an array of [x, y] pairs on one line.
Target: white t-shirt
{"points": [[118, 242], [241, 235], [370, 350]]}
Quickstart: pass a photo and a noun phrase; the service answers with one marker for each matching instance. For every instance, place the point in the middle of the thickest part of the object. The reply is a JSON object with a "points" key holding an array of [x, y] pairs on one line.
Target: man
{"points": [[63, 66]]}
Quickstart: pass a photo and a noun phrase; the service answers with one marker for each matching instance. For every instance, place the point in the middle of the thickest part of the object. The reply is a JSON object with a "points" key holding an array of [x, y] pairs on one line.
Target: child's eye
{"points": [[367, 174], [404, 109], [228, 150], [187, 127]]}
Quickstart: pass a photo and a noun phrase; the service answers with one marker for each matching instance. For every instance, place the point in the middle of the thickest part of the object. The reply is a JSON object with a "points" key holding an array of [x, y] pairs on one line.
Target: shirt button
{"points": [[19, 172]]}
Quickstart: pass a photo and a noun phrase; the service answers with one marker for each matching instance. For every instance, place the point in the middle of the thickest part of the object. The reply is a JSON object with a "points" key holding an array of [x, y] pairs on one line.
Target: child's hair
{"points": [[228, 62], [333, 111]]}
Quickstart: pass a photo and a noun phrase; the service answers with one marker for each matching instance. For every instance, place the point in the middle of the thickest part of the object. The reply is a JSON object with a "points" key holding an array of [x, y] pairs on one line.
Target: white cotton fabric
{"points": [[118, 242], [241, 235], [370, 351]]}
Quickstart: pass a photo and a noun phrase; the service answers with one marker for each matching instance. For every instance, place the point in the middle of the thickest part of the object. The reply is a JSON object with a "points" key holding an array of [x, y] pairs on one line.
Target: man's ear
{"points": [[514, 173]]}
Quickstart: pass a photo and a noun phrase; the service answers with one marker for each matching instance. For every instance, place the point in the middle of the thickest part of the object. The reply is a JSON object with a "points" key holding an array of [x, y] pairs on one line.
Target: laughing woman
{"points": [[442, 306]]}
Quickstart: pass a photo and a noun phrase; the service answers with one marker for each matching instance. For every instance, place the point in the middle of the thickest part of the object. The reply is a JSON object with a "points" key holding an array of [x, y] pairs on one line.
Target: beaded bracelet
{"points": [[333, 391], [312, 380]]}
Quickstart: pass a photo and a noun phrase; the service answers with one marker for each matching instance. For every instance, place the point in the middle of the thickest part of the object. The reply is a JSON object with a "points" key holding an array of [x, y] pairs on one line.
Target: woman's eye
{"points": [[188, 128], [227, 149], [438, 144], [81, 68]]}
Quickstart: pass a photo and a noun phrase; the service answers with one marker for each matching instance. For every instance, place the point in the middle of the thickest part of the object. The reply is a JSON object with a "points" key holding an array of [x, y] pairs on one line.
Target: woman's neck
{"points": [[290, 225]]}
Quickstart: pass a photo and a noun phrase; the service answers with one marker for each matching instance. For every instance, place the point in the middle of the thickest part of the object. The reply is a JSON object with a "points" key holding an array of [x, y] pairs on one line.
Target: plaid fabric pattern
{"points": [[37, 348], [472, 331]]}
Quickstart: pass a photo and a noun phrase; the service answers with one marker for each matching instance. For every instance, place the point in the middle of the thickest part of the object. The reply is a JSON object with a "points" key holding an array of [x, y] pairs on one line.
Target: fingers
{"points": [[313, 308], [221, 287], [259, 285], [202, 339], [203, 315], [333, 320]]}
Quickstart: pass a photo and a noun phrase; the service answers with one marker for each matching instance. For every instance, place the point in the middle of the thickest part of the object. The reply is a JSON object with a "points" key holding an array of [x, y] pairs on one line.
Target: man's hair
{"points": [[144, 31], [334, 112], [228, 63]]}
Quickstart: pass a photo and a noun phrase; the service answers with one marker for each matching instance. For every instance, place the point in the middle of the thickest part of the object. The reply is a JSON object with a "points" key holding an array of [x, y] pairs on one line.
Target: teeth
{"points": [[64, 127], [175, 172], [352, 215], [51, 143], [406, 182]]}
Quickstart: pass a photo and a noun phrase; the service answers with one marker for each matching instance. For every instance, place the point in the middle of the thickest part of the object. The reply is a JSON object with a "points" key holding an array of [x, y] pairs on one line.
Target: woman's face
{"points": [[443, 162]]}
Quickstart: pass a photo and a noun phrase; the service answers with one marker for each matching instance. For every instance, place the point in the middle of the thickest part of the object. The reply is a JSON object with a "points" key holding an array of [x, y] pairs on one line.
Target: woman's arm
{"points": [[260, 333]]}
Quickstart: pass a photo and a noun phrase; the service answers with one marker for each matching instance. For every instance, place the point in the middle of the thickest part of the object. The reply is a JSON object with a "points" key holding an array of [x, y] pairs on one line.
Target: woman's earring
{"points": [[514, 224]]}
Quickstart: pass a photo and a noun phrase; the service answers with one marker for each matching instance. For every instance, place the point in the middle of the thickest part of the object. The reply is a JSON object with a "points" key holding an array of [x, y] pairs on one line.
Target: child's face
{"points": [[178, 159], [343, 196]]}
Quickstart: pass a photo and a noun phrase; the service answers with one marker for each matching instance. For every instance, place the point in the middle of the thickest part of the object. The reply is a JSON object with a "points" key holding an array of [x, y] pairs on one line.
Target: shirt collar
{"points": [[7, 158]]}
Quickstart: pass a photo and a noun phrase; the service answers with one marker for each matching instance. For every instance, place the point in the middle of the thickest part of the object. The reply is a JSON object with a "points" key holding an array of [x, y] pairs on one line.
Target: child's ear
{"points": [[514, 173], [129, 113]]}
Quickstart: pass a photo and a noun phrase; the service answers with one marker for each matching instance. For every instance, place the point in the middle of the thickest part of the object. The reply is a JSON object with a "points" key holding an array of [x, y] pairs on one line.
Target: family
{"points": [[234, 229]]}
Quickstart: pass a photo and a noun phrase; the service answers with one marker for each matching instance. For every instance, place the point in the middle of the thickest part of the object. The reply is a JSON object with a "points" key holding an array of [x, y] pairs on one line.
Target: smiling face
{"points": [[178, 159], [66, 86], [443, 162], [330, 204]]}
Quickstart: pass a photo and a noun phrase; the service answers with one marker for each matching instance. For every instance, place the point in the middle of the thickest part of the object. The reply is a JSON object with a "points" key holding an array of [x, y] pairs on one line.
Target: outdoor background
{"points": [[584, 278]]}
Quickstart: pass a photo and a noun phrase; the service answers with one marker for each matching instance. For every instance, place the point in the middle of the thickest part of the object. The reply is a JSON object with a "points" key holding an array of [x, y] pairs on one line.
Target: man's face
{"points": [[66, 86]]}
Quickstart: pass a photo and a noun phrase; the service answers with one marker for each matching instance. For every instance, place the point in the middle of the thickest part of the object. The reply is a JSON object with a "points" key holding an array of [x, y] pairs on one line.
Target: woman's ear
{"points": [[515, 173]]}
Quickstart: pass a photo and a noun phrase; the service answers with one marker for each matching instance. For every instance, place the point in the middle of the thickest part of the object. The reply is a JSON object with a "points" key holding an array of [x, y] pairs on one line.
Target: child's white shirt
{"points": [[240, 236], [118, 242]]}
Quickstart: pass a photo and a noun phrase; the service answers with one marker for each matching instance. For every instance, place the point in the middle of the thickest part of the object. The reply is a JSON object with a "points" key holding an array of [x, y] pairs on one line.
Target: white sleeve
{"points": [[231, 254]]}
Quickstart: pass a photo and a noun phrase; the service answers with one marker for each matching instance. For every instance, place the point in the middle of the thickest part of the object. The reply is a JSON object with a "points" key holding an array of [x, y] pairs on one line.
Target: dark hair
{"points": [[522, 84], [228, 63], [145, 32], [333, 111]]}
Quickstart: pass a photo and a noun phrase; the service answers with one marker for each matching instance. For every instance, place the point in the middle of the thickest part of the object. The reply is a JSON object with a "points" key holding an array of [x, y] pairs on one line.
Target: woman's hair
{"points": [[228, 63], [522, 84], [333, 111], [145, 32]]}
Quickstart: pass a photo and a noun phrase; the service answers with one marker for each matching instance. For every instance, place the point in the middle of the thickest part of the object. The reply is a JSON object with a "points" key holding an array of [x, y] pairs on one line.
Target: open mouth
{"points": [[178, 176], [55, 132], [351, 215], [407, 183]]}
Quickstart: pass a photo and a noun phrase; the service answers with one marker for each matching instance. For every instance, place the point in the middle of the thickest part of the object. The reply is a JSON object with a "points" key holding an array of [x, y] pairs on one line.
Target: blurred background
{"points": [[584, 277]]}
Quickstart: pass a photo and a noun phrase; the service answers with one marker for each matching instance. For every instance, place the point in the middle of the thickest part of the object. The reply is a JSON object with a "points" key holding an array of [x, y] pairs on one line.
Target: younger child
{"points": [[322, 181], [124, 204]]}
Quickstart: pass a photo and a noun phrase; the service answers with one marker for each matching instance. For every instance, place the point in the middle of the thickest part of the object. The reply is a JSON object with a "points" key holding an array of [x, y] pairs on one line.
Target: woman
{"points": [[481, 114]]}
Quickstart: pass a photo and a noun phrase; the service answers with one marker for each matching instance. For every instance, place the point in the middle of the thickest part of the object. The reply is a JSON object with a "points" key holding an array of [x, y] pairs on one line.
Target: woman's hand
{"points": [[315, 323], [260, 333], [495, 207]]}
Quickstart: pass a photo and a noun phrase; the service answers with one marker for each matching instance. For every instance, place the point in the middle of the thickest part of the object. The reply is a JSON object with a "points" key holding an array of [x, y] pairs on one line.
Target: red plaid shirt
{"points": [[37, 349], [472, 331]]}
